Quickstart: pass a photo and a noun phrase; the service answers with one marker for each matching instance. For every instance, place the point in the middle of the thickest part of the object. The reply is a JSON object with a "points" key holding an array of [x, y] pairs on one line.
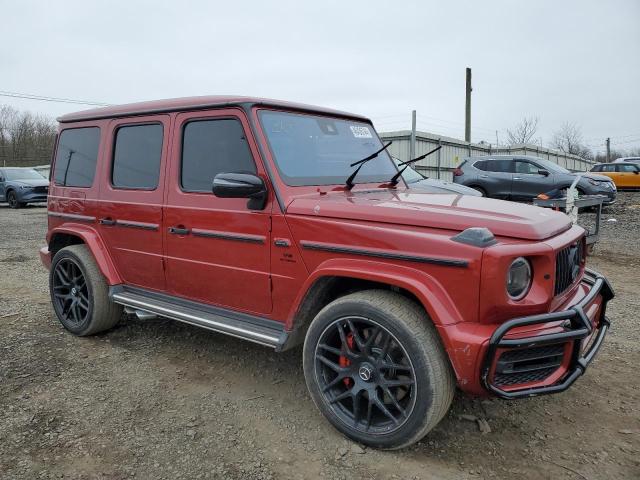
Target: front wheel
{"points": [[12, 200], [376, 369]]}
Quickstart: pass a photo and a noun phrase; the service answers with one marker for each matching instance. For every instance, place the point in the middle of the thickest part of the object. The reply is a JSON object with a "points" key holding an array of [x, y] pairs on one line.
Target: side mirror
{"points": [[241, 185], [544, 172], [636, 172]]}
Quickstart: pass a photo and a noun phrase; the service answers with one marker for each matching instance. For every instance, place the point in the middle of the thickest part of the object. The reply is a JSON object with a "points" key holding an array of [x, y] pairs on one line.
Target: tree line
{"points": [[26, 139], [568, 139]]}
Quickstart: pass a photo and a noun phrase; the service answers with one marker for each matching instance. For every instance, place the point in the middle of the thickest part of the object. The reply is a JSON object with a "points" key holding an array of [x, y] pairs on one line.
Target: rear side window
{"points": [[210, 147], [627, 168], [136, 157], [495, 165], [76, 157]]}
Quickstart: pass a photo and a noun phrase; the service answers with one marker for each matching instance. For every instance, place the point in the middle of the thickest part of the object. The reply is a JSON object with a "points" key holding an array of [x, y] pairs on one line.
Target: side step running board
{"points": [[248, 327]]}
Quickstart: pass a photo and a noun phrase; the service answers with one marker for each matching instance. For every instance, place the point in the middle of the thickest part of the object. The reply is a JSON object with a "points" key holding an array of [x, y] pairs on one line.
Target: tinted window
{"points": [[495, 165], [136, 158], [77, 156], [526, 167], [210, 147]]}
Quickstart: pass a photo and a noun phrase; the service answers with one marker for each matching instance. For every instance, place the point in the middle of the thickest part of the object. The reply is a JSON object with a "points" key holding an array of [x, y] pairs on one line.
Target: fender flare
{"points": [[96, 246], [433, 297]]}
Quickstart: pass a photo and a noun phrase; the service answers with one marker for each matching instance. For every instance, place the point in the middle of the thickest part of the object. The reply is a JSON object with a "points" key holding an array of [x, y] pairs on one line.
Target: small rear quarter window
{"points": [[76, 157]]}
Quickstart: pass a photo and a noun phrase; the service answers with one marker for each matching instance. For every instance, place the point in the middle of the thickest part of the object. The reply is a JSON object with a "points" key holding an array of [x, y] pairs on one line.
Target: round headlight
{"points": [[518, 278]]}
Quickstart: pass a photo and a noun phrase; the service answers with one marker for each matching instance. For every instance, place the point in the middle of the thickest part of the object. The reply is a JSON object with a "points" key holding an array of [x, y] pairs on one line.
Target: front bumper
{"points": [[31, 196], [576, 353]]}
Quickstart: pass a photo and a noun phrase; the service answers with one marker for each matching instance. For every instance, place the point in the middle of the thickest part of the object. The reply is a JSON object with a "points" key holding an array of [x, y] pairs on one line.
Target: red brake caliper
{"points": [[344, 361]]}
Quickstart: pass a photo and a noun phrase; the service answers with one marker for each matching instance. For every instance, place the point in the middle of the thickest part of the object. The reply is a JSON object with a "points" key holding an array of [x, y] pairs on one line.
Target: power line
{"points": [[44, 98]]}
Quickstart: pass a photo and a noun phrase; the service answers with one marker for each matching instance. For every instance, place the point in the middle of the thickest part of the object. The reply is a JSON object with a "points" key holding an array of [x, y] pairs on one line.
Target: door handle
{"points": [[484, 176], [179, 230], [107, 221], [517, 178]]}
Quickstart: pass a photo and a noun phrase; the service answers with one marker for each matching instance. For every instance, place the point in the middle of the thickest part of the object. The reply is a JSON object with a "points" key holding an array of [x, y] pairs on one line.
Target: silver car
{"points": [[524, 178], [417, 181]]}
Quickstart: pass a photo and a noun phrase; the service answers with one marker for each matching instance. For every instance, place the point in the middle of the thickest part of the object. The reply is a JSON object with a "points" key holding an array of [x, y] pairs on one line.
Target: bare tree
{"points": [[523, 132], [568, 139], [25, 139]]}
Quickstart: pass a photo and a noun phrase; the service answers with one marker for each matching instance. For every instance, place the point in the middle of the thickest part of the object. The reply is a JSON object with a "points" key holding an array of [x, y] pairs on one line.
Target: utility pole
{"points": [[467, 109], [608, 150], [412, 145]]}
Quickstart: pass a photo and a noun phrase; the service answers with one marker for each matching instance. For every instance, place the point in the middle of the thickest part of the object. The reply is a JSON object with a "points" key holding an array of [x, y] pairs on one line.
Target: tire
{"points": [[481, 190], [412, 362], [80, 294], [12, 200]]}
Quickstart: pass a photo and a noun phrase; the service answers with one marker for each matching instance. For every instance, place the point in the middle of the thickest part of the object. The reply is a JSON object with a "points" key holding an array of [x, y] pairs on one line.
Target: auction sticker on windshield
{"points": [[360, 132]]}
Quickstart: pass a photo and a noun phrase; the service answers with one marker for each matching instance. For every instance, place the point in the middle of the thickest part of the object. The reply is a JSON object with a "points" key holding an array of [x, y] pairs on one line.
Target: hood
{"points": [[595, 176], [434, 210], [32, 182]]}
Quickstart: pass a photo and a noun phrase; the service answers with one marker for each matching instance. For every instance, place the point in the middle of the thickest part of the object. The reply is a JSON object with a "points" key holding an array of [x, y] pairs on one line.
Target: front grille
{"points": [[44, 189], [528, 365], [568, 261]]}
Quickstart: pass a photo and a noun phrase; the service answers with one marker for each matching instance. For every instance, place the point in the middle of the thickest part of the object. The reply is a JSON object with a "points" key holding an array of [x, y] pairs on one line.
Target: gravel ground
{"points": [[159, 399]]}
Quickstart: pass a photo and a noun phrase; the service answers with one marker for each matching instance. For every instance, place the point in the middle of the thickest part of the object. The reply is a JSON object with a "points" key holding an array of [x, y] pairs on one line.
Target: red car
{"points": [[286, 225]]}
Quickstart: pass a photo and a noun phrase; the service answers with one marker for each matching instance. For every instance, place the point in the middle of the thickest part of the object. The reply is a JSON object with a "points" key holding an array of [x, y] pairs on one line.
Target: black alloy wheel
{"points": [[365, 375], [70, 292], [12, 199]]}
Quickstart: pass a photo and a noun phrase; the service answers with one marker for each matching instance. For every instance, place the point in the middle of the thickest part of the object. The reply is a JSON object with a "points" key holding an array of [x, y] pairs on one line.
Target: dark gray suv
{"points": [[524, 177]]}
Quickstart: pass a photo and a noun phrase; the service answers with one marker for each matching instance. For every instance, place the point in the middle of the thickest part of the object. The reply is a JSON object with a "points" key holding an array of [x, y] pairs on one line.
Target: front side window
{"points": [[136, 157], [76, 157], [608, 168], [317, 150], [597, 168], [210, 147], [527, 168]]}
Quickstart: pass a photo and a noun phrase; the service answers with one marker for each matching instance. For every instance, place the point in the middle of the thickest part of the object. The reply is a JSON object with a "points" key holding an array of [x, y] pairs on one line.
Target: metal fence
{"points": [[454, 151]]}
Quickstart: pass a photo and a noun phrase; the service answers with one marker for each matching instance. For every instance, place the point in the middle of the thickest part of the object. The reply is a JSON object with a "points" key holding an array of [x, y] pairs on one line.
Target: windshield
{"points": [[552, 167], [317, 150], [21, 174], [409, 174]]}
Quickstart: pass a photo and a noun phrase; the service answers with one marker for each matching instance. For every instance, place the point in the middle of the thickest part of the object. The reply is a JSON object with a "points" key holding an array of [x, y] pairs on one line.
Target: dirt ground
{"points": [[159, 399]]}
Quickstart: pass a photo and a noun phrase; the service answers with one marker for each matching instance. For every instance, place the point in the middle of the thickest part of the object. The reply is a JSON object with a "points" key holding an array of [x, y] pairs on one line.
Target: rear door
{"points": [[217, 250], [131, 198], [495, 177], [527, 182]]}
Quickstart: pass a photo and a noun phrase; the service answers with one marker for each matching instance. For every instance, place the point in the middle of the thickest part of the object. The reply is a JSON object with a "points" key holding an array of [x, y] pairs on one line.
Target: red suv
{"points": [[286, 225]]}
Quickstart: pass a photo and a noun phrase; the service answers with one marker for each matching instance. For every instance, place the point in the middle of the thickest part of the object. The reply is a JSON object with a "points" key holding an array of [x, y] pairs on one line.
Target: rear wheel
{"points": [[80, 294], [375, 368]]}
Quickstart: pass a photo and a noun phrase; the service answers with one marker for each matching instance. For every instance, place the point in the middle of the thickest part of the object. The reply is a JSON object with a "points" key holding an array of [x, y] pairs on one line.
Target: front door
{"points": [[131, 194], [2, 187], [217, 250], [627, 176], [527, 182]]}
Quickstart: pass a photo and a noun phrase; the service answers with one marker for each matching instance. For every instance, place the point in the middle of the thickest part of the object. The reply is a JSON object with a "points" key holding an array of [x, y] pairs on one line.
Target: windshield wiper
{"points": [[394, 179], [360, 163]]}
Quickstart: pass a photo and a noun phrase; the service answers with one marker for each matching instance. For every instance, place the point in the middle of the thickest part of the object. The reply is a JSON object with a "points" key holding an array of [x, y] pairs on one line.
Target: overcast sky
{"points": [[576, 61]]}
